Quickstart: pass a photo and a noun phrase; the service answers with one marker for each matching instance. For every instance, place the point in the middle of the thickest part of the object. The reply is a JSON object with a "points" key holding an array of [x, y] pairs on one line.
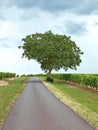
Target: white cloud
{"points": [[89, 46], [11, 61]]}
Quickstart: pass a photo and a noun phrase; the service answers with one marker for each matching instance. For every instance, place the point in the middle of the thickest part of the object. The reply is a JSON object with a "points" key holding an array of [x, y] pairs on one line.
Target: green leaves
{"points": [[52, 51]]}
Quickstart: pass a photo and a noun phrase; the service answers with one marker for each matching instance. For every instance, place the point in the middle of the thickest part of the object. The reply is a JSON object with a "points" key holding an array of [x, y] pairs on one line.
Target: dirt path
{"points": [[3, 83], [38, 109]]}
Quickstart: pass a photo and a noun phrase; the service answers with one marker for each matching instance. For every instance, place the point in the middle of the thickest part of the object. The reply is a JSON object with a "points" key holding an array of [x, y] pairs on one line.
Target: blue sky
{"points": [[78, 19]]}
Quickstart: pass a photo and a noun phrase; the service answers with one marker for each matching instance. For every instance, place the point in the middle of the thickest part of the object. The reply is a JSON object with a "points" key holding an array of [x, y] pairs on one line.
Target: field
{"points": [[8, 95], [81, 101]]}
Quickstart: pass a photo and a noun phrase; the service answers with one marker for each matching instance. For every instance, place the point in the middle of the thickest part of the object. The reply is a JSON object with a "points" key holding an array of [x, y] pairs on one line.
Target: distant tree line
{"points": [[86, 80], [7, 75]]}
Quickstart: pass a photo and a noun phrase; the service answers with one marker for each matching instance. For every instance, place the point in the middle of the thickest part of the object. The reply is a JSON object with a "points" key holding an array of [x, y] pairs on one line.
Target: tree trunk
{"points": [[49, 74]]}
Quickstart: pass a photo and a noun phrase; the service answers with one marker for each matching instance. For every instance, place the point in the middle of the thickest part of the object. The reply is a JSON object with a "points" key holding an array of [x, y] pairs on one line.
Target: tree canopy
{"points": [[52, 51]]}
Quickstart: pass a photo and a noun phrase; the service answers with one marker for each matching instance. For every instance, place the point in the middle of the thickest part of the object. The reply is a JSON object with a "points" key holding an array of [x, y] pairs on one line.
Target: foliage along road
{"points": [[37, 109]]}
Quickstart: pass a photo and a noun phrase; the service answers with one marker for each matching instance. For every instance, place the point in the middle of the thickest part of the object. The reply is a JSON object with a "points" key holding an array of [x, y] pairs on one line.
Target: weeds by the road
{"points": [[84, 103], [8, 95]]}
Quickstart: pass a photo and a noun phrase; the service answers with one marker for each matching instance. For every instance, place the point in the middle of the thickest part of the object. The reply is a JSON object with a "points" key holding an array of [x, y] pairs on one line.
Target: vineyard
{"points": [[84, 80], [7, 75]]}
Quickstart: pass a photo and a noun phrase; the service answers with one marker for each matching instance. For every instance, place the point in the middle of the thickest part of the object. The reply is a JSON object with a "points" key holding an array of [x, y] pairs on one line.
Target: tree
{"points": [[52, 51]]}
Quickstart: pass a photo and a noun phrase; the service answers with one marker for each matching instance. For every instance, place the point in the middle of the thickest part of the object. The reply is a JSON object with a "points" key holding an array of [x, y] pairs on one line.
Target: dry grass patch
{"points": [[3, 83]]}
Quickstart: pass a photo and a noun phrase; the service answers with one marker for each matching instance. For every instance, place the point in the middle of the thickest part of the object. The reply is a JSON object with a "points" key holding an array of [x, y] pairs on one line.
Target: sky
{"points": [[75, 18]]}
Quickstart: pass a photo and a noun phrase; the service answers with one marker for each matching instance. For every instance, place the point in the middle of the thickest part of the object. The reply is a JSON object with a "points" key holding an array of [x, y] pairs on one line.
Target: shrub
{"points": [[49, 79]]}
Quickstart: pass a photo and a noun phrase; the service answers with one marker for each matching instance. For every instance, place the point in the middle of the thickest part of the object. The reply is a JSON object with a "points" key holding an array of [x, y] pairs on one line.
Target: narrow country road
{"points": [[37, 109]]}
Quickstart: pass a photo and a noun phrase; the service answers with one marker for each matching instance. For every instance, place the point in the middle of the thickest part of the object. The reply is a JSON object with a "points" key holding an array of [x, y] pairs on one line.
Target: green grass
{"points": [[87, 98], [82, 102], [8, 95]]}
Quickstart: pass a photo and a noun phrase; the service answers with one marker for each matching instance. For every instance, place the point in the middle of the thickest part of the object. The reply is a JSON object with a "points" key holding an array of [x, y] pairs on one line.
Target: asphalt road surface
{"points": [[38, 109]]}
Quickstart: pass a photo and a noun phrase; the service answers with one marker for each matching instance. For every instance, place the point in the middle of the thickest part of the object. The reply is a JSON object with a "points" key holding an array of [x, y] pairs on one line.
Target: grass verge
{"points": [[8, 95], [82, 102]]}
